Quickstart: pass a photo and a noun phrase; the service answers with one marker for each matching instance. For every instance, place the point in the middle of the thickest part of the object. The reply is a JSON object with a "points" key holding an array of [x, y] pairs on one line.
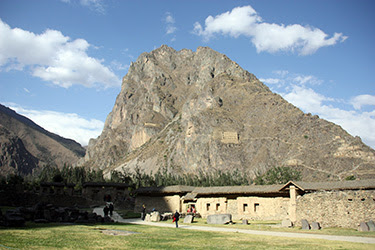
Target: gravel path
{"points": [[357, 239]]}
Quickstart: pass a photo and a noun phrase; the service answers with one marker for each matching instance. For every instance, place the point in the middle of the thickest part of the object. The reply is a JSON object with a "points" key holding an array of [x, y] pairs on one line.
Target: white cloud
{"points": [[302, 80], [355, 122], [363, 100], [267, 37], [270, 80], [298, 89], [170, 25], [53, 57], [118, 66], [68, 125], [95, 5]]}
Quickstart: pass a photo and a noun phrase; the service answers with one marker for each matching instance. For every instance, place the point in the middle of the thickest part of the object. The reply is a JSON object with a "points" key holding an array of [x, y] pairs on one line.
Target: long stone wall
{"points": [[337, 208], [258, 208], [252, 208]]}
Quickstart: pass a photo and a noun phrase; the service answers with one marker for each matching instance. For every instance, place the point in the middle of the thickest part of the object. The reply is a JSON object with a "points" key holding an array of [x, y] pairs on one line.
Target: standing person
{"points": [[111, 208], [143, 212], [176, 217], [105, 210]]}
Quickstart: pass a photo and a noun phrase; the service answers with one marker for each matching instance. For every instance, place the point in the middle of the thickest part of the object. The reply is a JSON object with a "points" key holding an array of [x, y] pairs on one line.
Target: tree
{"points": [[278, 175]]}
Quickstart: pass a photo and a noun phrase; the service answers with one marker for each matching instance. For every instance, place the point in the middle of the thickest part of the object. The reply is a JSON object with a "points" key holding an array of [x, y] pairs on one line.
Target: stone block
{"points": [[315, 225], [245, 222], [305, 224], [219, 219], [286, 223], [155, 216], [371, 225], [189, 219], [148, 218], [363, 227]]}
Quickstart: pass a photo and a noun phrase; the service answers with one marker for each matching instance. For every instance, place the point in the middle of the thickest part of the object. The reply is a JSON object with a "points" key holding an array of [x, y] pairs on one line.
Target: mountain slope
{"points": [[44, 146], [14, 157], [191, 111]]}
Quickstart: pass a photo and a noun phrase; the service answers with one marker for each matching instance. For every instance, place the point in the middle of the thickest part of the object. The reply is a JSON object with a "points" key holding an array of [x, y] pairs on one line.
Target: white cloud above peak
{"points": [[53, 57], [266, 37], [363, 100], [68, 125], [303, 92], [170, 28]]}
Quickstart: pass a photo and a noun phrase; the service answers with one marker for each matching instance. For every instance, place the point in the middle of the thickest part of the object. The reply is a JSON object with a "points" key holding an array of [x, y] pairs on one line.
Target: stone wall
{"points": [[259, 208], [160, 203], [252, 208], [337, 208], [208, 206]]}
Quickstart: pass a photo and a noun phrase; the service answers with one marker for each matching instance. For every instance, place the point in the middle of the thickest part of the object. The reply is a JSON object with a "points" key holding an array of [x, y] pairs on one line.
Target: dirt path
{"points": [[356, 239]]}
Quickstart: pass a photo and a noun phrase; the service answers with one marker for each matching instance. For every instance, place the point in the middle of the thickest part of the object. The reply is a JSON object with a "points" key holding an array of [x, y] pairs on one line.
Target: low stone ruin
{"points": [[366, 226], [46, 213], [219, 219], [313, 225]]}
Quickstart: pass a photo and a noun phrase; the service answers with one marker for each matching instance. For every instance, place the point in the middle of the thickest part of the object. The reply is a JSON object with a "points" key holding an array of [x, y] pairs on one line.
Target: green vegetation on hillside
{"points": [[163, 177]]}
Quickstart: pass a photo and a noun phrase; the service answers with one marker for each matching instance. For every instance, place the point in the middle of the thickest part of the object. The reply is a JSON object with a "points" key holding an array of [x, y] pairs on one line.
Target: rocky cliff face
{"points": [[191, 111], [26, 146], [14, 157]]}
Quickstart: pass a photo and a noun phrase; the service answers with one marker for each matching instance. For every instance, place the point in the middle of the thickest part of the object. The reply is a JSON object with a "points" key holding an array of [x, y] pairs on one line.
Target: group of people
{"points": [[108, 209]]}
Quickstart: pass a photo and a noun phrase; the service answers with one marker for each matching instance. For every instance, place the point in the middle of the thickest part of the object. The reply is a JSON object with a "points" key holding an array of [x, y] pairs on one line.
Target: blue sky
{"points": [[61, 61]]}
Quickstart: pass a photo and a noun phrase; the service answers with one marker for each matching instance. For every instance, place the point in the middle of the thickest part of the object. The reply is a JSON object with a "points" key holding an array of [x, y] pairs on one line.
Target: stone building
{"points": [[332, 204], [163, 199], [243, 202]]}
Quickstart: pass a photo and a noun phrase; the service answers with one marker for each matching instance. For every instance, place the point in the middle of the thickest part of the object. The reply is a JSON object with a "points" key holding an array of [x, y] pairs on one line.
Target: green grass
{"points": [[127, 214], [273, 226], [56, 236]]}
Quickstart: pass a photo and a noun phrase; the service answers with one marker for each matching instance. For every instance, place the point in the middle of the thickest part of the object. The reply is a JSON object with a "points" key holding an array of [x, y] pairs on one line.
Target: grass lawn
{"points": [[58, 236], [273, 226]]}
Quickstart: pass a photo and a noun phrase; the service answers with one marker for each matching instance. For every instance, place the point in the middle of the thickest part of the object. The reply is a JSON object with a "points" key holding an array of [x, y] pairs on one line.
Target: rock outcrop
{"points": [[14, 157], [200, 111]]}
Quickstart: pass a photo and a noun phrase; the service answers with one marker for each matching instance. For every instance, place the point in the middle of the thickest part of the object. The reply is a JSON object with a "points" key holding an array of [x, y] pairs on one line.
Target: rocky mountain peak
{"points": [[199, 111]]}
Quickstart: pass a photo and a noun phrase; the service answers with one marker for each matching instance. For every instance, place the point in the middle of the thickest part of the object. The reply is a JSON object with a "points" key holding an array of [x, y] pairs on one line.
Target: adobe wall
{"points": [[337, 208], [259, 208], [252, 208], [208, 206], [160, 203]]}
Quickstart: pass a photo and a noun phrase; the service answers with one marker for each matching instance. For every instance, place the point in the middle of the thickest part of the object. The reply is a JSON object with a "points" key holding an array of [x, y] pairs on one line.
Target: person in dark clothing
{"points": [[176, 217], [105, 210], [111, 208], [143, 212]]}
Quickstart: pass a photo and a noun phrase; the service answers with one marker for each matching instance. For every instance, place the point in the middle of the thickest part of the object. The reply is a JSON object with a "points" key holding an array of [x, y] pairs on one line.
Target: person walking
{"points": [[105, 210], [176, 217], [111, 208]]}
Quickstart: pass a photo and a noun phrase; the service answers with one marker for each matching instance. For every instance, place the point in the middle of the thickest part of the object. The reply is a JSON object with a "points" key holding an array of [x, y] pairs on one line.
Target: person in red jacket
{"points": [[176, 217]]}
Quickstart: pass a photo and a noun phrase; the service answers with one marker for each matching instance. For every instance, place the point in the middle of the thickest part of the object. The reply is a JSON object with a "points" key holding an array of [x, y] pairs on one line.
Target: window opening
{"points": [[256, 207], [245, 207]]}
